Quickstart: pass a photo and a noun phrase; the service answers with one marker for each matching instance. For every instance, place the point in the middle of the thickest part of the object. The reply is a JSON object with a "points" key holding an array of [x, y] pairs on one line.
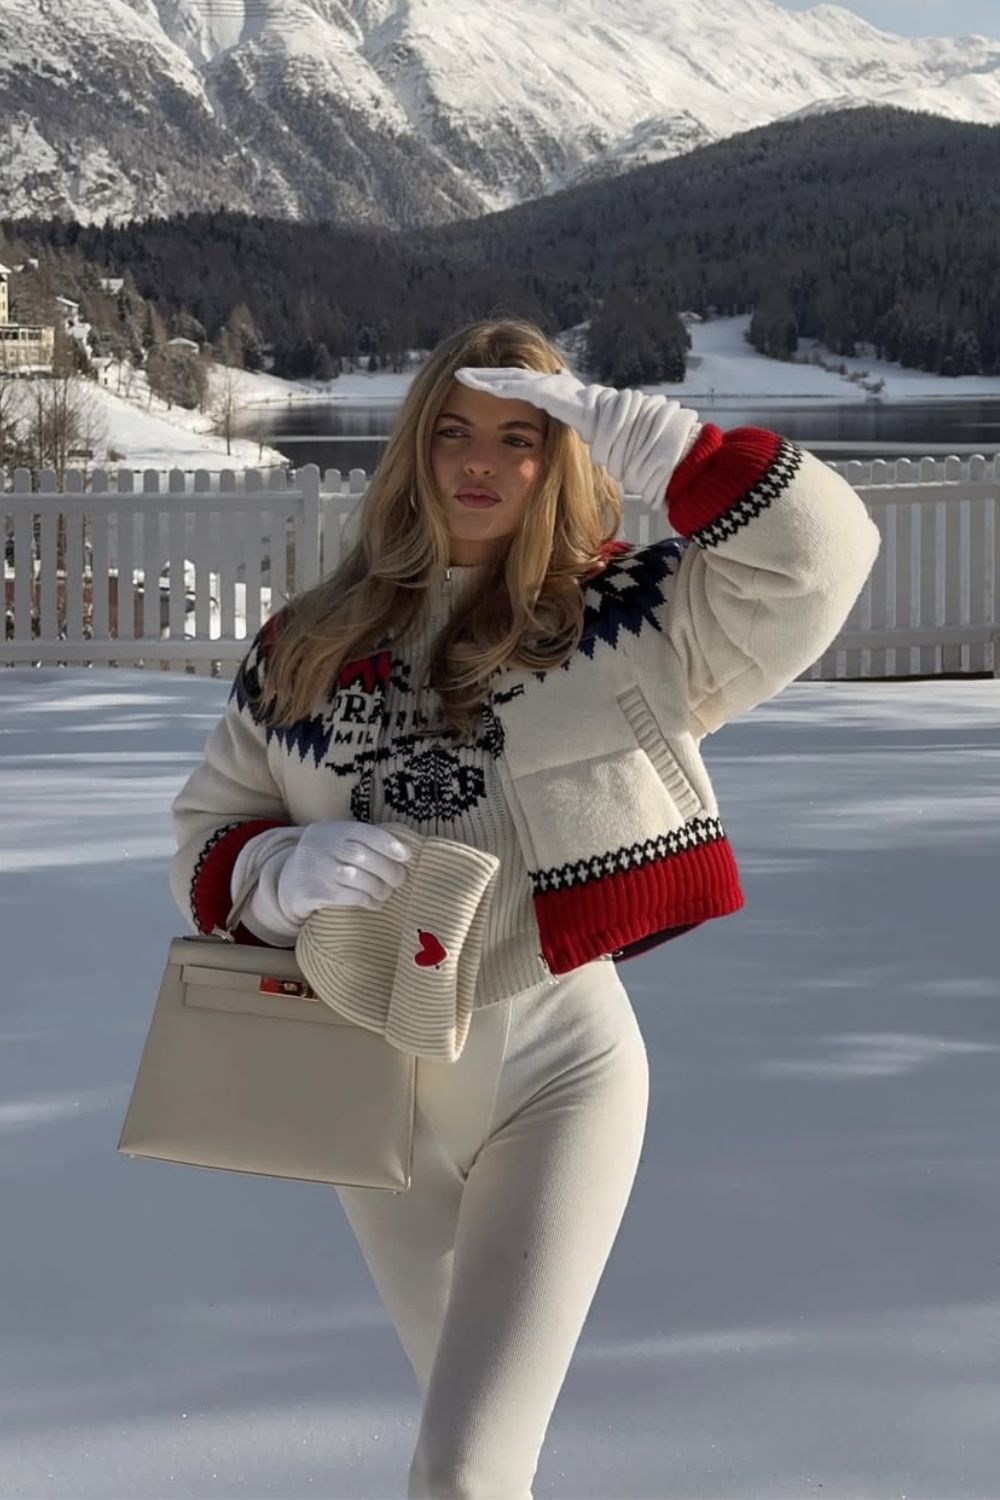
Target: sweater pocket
{"points": [[650, 738]]}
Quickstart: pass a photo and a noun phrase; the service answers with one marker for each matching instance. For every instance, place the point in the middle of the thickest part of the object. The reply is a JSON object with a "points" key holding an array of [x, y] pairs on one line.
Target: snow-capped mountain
{"points": [[402, 112]]}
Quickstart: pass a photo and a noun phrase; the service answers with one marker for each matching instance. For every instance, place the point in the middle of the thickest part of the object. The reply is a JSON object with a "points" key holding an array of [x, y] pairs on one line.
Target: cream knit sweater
{"points": [[599, 762], [448, 788]]}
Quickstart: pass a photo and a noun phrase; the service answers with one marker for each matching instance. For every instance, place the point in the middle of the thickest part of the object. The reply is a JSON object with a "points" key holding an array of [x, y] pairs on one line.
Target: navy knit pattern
{"points": [[626, 595]]}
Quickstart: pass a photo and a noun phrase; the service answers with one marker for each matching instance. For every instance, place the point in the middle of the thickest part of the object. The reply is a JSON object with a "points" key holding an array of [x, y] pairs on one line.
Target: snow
{"points": [[489, 86], [151, 435], [649, 80], [355, 387], [722, 364], [803, 1296]]}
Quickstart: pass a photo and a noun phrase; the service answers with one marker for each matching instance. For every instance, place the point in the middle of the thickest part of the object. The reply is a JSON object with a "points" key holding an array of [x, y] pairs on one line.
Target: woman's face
{"points": [[489, 444]]}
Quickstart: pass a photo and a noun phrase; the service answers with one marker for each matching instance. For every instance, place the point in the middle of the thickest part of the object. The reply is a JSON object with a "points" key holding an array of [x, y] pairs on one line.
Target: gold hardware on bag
{"points": [[298, 988]]}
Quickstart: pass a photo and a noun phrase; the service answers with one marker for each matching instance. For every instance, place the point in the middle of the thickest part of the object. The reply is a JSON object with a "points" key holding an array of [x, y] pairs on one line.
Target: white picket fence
{"points": [[932, 604], [223, 550]]}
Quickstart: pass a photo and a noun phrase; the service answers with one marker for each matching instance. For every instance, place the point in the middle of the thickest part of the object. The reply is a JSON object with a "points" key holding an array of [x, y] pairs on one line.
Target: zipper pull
{"points": [[446, 586]]}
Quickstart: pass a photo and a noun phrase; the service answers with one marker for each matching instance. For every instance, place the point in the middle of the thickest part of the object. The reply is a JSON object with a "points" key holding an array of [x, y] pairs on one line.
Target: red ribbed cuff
{"points": [[718, 472], [582, 922], [211, 901]]}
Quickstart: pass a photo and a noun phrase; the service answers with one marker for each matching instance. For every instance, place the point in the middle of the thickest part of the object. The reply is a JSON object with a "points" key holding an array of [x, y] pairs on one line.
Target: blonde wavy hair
{"points": [[529, 611]]}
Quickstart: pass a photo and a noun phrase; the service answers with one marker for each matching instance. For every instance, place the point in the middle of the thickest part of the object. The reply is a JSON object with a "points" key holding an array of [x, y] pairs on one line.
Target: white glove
{"points": [[323, 864], [639, 439], [261, 859]]}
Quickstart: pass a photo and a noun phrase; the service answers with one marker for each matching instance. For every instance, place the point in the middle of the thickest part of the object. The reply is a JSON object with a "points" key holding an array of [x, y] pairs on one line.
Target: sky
{"points": [[922, 17]]}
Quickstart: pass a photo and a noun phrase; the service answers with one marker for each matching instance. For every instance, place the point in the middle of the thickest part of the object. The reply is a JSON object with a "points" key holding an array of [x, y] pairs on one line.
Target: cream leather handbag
{"points": [[245, 1068]]}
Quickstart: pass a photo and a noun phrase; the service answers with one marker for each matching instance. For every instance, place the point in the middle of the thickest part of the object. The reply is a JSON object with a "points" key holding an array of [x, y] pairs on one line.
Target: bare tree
{"points": [[65, 423], [12, 453], [225, 407], [205, 382], [126, 378], [64, 426]]}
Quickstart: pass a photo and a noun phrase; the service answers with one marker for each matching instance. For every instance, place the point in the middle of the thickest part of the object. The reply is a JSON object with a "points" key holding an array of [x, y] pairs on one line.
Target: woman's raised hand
{"points": [[639, 439], [562, 395]]}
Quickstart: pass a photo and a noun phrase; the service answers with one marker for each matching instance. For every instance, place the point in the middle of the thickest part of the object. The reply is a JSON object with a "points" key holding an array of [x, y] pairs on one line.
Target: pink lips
{"points": [[477, 498]]}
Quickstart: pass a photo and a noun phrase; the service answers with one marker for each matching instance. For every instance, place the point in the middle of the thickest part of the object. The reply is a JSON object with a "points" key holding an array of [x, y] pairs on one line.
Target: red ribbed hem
{"points": [[586, 921], [211, 901], [717, 473]]}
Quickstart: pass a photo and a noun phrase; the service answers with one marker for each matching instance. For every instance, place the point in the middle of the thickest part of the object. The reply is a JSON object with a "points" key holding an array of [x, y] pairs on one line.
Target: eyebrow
{"points": [[503, 426]]}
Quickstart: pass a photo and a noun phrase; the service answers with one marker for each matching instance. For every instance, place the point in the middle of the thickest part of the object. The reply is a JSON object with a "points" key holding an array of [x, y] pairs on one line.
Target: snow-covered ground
{"points": [[803, 1298], [721, 366]]}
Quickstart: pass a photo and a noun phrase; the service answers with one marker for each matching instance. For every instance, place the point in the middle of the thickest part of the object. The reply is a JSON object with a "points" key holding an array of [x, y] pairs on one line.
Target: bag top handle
{"points": [[236, 912]]}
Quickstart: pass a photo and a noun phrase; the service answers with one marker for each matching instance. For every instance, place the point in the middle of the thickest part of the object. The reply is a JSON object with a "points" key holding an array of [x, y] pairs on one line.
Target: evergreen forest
{"points": [[873, 226]]}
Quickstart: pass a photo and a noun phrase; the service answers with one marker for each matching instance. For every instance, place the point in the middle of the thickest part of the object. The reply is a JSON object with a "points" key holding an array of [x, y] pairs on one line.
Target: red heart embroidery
{"points": [[431, 950]]}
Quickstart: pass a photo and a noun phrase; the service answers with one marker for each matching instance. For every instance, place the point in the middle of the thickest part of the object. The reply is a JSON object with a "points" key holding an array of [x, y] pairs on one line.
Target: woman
{"points": [[488, 665]]}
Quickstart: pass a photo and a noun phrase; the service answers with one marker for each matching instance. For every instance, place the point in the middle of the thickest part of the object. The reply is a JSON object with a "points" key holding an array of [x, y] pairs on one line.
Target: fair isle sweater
{"points": [[442, 786], [424, 776], [598, 760]]}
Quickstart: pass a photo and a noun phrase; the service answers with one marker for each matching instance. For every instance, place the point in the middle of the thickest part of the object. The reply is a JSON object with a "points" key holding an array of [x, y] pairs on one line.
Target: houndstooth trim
{"points": [[694, 834], [786, 464]]}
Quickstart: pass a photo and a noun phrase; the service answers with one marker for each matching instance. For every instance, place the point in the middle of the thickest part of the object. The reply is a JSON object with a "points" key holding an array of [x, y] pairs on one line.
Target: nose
{"points": [[476, 463]]}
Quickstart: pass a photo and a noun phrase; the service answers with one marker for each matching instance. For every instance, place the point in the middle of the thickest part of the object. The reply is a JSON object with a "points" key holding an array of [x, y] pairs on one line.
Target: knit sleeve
{"points": [[777, 550], [230, 797]]}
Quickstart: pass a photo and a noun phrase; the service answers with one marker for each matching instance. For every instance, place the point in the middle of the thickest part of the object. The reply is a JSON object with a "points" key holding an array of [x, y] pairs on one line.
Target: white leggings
{"points": [[525, 1152]]}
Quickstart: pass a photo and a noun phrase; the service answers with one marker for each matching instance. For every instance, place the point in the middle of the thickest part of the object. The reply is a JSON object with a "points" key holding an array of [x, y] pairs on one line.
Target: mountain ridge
{"points": [[405, 113]]}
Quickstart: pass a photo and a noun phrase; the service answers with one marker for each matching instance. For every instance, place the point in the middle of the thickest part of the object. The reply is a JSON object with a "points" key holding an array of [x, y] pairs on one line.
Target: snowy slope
{"points": [[802, 1300], [416, 111]]}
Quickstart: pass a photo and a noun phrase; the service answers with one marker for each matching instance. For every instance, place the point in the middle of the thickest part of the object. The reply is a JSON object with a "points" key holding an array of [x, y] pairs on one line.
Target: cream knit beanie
{"points": [[408, 968]]}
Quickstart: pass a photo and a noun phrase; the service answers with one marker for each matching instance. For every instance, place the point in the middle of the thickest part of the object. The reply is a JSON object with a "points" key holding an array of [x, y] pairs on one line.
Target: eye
{"points": [[511, 437]]}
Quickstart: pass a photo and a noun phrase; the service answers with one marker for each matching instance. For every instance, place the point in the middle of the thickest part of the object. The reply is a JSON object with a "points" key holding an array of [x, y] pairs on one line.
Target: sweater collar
{"points": [[457, 580]]}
